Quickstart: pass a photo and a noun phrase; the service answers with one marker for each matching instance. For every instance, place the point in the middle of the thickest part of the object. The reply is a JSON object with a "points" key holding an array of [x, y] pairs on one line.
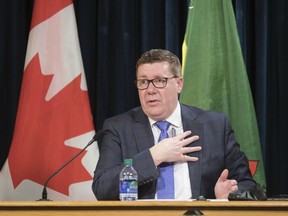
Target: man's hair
{"points": [[160, 55]]}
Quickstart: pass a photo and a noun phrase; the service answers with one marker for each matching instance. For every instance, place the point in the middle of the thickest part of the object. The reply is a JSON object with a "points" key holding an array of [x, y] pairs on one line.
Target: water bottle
{"points": [[128, 182]]}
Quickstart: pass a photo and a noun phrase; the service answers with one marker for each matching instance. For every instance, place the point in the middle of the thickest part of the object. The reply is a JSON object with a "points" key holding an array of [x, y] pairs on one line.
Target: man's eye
{"points": [[142, 82], [159, 80]]}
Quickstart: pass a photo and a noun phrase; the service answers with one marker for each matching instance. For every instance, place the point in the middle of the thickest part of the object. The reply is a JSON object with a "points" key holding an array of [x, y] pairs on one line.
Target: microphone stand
{"points": [[44, 192]]}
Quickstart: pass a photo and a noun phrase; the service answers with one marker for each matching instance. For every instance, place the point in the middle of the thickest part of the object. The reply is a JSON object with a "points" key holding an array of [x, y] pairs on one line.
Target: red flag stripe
{"points": [[44, 9]]}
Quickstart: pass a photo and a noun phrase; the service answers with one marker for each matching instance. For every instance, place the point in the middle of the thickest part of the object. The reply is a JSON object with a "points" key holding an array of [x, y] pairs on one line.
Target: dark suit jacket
{"points": [[130, 136]]}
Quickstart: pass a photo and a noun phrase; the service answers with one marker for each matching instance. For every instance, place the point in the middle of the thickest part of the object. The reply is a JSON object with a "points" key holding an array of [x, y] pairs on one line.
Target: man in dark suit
{"points": [[201, 149]]}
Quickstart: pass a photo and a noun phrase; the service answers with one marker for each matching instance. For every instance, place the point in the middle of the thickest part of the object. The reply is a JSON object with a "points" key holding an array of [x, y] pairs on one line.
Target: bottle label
{"points": [[128, 190], [128, 186]]}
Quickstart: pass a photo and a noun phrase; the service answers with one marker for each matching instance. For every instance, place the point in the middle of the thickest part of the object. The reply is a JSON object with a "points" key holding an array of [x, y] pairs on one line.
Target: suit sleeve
{"points": [[236, 161], [118, 144]]}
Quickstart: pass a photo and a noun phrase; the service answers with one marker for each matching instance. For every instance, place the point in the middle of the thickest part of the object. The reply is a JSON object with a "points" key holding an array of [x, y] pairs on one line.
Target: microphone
{"points": [[95, 138]]}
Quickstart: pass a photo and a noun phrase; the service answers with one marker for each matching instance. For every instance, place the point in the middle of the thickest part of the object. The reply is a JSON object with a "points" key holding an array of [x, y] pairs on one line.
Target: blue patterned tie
{"points": [[165, 183]]}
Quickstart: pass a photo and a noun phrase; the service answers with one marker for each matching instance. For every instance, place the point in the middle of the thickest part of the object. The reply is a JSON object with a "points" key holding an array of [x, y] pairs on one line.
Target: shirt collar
{"points": [[174, 118]]}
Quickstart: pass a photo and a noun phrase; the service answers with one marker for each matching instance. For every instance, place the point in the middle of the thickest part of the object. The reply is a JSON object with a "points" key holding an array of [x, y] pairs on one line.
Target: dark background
{"points": [[113, 34]]}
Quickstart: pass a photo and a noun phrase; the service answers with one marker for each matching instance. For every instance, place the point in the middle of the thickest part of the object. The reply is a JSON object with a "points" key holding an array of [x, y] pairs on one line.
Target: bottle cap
{"points": [[128, 161]]}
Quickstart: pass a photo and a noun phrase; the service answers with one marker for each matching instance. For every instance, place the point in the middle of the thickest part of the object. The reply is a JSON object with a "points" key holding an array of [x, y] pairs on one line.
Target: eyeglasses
{"points": [[160, 82]]}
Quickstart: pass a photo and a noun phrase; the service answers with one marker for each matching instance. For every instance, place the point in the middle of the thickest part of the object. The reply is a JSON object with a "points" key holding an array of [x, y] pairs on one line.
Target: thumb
{"points": [[224, 175]]}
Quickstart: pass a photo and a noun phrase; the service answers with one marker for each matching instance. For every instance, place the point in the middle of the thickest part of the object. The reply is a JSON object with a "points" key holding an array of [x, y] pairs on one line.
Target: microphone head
{"points": [[99, 134]]}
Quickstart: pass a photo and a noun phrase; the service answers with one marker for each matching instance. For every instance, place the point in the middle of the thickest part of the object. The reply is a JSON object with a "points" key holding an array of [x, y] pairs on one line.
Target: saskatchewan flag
{"points": [[215, 76]]}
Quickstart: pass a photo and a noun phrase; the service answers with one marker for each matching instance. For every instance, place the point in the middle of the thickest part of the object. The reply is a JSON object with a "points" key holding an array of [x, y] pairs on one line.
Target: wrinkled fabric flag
{"points": [[54, 120], [215, 76]]}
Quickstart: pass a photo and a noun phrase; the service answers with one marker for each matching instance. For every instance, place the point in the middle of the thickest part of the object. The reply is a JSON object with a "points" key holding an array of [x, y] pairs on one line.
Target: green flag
{"points": [[215, 76]]}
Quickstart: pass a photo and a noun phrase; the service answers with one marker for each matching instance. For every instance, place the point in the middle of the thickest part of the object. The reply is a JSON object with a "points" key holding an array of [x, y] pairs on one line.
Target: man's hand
{"points": [[224, 186], [174, 149]]}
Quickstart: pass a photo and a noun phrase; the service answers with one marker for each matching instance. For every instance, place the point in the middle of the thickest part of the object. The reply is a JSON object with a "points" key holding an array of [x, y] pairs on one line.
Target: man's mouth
{"points": [[152, 101]]}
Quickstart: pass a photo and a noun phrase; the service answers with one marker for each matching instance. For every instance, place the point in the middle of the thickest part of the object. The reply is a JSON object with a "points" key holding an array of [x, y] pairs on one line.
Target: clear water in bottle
{"points": [[128, 182]]}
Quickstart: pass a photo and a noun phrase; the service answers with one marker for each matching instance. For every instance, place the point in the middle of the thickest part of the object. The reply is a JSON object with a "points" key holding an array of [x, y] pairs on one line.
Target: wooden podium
{"points": [[144, 208]]}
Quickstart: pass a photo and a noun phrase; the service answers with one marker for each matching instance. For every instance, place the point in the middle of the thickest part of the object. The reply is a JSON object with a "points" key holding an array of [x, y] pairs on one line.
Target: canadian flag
{"points": [[54, 120]]}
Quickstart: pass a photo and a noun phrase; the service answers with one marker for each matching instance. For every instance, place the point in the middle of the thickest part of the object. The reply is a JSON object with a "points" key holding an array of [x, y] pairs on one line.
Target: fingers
{"points": [[234, 188], [225, 186], [186, 158], [224, 175], [188, 140], [231, 183], [183, 135], [186, 150], [174, 149], [234, 185]]}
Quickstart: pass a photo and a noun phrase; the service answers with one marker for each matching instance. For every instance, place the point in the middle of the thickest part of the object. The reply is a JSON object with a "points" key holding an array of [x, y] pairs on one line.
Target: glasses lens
{"points": [[159, 82], [142, 84]]}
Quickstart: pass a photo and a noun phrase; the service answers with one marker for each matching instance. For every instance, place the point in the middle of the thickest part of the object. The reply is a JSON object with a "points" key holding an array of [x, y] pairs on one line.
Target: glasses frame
{"points": [[152, 81]]}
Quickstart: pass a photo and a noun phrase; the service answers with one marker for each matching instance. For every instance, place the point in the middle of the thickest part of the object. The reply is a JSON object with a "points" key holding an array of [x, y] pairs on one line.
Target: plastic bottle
{"points": [[128, 182]]}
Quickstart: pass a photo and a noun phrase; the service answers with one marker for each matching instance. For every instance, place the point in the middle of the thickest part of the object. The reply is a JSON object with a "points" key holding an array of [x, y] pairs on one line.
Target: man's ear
{"points": [[180, 84]]}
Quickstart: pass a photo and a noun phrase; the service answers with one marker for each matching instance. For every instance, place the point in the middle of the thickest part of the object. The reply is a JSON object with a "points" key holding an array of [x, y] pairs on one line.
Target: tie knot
{"points": [[163, 125]]}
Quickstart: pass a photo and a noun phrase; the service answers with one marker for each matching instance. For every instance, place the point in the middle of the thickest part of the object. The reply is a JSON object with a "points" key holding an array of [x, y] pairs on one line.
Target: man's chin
{"points": [[155, 114]]}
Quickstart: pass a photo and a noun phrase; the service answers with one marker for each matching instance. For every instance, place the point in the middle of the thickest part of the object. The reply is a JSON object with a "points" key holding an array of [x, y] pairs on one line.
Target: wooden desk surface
{"points": [[143, 208]]}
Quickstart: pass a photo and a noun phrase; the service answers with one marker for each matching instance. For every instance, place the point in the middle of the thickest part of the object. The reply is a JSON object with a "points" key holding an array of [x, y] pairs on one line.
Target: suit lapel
{"points": [[142, 131], [195, 168]]}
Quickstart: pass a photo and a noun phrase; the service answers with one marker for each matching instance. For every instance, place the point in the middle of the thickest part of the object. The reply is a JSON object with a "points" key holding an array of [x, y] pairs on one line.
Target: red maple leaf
{"points": [[42, 127], [253, 164]]}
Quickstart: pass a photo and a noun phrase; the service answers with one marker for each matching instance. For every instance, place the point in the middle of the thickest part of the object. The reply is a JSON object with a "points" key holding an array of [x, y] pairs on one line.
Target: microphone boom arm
{"points": [[44, 192]]}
